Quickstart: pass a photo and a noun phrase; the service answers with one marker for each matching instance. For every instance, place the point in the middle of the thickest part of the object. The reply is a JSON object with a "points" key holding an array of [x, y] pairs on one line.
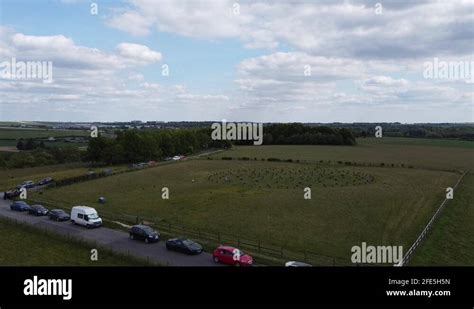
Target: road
{"points": [[110, 238]]}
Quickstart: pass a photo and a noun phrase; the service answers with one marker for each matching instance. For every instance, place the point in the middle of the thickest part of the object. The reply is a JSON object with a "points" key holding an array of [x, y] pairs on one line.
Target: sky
{"points": [[265, 61]]}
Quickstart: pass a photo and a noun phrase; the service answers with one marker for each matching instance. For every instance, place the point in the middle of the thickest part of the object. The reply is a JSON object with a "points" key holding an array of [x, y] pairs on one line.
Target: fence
{"points": [[272, 254], [427, 228]]}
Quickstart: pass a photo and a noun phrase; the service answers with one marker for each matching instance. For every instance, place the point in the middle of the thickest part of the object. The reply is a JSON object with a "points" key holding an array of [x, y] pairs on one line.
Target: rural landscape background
{"points": [[368, 104], [382, 191]]}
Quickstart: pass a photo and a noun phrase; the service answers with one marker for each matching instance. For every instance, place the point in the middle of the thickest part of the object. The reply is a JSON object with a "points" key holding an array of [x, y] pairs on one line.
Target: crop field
{"points": [[27, 246], [264, 201]]}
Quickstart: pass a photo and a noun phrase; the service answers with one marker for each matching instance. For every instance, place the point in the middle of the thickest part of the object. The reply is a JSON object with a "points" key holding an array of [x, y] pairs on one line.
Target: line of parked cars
{"points": [[88, 217], [15, 192], [82, 215]]}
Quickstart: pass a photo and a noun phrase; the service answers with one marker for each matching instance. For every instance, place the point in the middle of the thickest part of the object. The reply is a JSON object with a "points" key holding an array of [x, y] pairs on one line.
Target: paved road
{"points": [[110, 238]]}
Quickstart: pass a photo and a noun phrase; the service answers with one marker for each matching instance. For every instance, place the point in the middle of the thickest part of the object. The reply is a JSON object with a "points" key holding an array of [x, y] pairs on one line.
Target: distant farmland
{"points": [[17, 133], [423, 153], [9, 136]]}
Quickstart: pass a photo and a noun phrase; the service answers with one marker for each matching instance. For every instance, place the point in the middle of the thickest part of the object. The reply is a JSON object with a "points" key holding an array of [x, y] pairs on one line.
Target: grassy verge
{"points": [[24, 245]]}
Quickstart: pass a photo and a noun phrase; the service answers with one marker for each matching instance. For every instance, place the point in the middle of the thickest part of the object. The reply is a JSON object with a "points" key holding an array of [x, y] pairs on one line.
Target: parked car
{"points": [[11, 194], [231, 256], [86, 216], [45, 181], [38, 210], [176, 158], [27, 184], [108, 171], [20, 206], [297, 264], [144, 232], [58, 215], [183, 245]]}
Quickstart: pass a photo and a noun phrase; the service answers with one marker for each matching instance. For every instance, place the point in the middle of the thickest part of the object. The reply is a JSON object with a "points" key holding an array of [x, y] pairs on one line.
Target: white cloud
{"points": [[327, 28], [138, 53], [277, 82], [90, 84]]}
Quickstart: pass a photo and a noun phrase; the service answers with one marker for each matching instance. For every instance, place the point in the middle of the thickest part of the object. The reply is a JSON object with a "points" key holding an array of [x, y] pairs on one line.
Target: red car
{"points": [[231, 256]]}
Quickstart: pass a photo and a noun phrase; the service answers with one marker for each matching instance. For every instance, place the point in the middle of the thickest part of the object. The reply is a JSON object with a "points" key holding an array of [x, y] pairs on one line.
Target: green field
{"points": [[451, 242], [264, 201], [23, 245], [432, 154], [17, 133], [344, 210], [10, 135]]}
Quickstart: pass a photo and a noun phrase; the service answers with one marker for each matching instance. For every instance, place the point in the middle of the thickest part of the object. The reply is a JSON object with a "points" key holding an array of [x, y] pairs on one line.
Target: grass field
{"points": [[17, 133], [10, 135], [26, 246], [451, 242], [434, 154], [264, 201]]}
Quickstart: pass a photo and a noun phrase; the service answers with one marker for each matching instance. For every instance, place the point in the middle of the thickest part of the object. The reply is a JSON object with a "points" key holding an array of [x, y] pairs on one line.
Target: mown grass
{"points": [[22, 245], [431, 154], [389, 210], [451, 242]]}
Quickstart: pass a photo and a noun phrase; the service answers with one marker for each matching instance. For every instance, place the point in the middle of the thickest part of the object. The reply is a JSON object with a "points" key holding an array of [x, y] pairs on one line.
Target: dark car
{"points": [[27, 184], [183, 245], [20, 206], [45, 181], [58, 215], [38, 210], [144, 232], [11, 194]]}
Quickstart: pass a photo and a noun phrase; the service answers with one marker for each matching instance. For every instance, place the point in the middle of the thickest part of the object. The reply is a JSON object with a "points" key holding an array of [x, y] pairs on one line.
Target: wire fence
{"points": [[408, 255]]}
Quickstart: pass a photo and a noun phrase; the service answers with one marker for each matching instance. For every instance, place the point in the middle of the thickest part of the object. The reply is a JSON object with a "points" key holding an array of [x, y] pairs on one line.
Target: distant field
{"points": [[16, 133], [264, 201], [417, 142], [452, 240], [422, 153], [12, 143], [26, 246], [10, 135]]}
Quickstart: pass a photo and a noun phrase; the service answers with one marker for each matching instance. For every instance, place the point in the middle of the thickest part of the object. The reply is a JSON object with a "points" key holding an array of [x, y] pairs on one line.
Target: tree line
{"points": [[300, 134], [131, 146]]}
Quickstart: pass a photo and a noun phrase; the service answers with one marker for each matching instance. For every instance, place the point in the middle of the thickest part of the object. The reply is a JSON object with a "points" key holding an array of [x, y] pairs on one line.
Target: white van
{"points": [[86, 216]]}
